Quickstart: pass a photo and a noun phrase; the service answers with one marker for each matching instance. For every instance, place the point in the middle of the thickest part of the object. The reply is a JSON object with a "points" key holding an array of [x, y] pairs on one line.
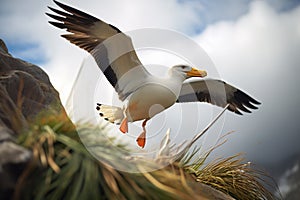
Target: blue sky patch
{"points": [[29, 52]]}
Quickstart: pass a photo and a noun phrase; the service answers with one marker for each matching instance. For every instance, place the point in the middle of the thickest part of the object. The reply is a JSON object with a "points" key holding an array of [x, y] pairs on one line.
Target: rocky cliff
{"points": [[25, 94]]}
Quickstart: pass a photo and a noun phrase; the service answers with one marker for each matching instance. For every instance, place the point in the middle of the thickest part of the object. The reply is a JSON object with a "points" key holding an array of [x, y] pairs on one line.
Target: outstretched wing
{"points": [[112, 50], [217, 93]]}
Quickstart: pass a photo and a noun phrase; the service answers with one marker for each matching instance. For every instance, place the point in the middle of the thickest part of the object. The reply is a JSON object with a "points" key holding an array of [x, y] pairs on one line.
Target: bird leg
{"points": [[124, 125], [141, 140]]}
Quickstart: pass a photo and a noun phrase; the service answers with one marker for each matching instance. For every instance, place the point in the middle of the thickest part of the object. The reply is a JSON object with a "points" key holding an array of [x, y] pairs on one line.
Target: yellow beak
{"points": [[196, 73]]}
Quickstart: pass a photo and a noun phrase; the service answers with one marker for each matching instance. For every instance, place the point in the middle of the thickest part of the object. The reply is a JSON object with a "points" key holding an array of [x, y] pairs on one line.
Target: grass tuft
{"points": [[62, 168]]}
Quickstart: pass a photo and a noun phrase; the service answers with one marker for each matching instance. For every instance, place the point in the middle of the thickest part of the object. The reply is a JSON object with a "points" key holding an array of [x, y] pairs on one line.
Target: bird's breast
{"points": [[148, 101]]}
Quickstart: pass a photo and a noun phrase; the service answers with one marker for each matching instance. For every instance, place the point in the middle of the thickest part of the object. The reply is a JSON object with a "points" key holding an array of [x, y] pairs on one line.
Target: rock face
{"points": [[25, 91]]}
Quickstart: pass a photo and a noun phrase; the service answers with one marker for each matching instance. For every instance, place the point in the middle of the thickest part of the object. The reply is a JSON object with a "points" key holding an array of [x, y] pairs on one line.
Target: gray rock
{"points": [[3, 47], [25, 91]]}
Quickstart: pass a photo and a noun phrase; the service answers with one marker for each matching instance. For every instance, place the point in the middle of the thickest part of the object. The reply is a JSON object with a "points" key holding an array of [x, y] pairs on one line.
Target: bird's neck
{"points": [[174, 82], [176, 76]]}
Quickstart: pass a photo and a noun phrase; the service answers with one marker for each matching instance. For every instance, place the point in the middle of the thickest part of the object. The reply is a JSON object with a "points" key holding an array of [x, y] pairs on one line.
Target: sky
{"points": [[254, 45]]}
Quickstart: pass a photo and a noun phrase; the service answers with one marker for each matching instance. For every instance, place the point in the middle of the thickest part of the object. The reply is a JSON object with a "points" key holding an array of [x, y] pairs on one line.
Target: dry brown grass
{"points": [[234, 177], [63, 169]]}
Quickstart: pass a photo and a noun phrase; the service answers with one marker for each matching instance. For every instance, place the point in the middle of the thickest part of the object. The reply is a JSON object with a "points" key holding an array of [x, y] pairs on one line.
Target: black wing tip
{"points": [[57, 24], [250, 103], [64, 6], [257, 102], [58, 18], [59, 12], [252, 107], [235, 110], [239, 113], [247, 106], [73, 11], [247, 101], [59, 4], [252, 100], [246, 110], [49, 14], [248, 97]]}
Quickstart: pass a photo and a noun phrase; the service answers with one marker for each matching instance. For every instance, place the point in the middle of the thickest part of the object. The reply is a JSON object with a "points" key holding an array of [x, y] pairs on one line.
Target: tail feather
{"points": [[112, 114]]}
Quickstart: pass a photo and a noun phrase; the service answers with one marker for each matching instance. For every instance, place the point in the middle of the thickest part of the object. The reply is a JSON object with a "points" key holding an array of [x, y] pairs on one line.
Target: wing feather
{"points": [[217, 93], [112, 50]]}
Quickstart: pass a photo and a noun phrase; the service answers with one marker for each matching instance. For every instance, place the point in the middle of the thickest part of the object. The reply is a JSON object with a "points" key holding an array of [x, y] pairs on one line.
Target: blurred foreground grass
{"points": [[62, 168]]}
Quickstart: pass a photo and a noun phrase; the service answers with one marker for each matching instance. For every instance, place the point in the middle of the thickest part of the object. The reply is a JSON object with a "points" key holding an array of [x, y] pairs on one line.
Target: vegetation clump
{"points": [[62, 168]]}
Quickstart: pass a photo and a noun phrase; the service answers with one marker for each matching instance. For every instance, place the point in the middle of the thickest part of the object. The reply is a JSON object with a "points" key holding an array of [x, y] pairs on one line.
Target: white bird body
{"points": [[152, 98]]}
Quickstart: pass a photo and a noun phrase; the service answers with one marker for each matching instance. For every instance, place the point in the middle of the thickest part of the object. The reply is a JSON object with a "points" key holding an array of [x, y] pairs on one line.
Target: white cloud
{"points": [[143, 13], [287, 182], [259, 54]]}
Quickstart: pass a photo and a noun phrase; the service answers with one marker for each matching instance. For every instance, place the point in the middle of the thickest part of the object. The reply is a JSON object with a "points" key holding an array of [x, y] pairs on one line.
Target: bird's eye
{"points": [[182, 67]]}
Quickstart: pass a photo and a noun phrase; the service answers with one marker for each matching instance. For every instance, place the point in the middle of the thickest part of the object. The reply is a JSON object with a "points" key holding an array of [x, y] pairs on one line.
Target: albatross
{"points": [[144, 95]]}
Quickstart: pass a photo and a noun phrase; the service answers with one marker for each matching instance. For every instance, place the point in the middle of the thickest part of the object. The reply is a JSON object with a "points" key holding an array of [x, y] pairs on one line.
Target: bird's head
{"points": [[186, 71]]}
